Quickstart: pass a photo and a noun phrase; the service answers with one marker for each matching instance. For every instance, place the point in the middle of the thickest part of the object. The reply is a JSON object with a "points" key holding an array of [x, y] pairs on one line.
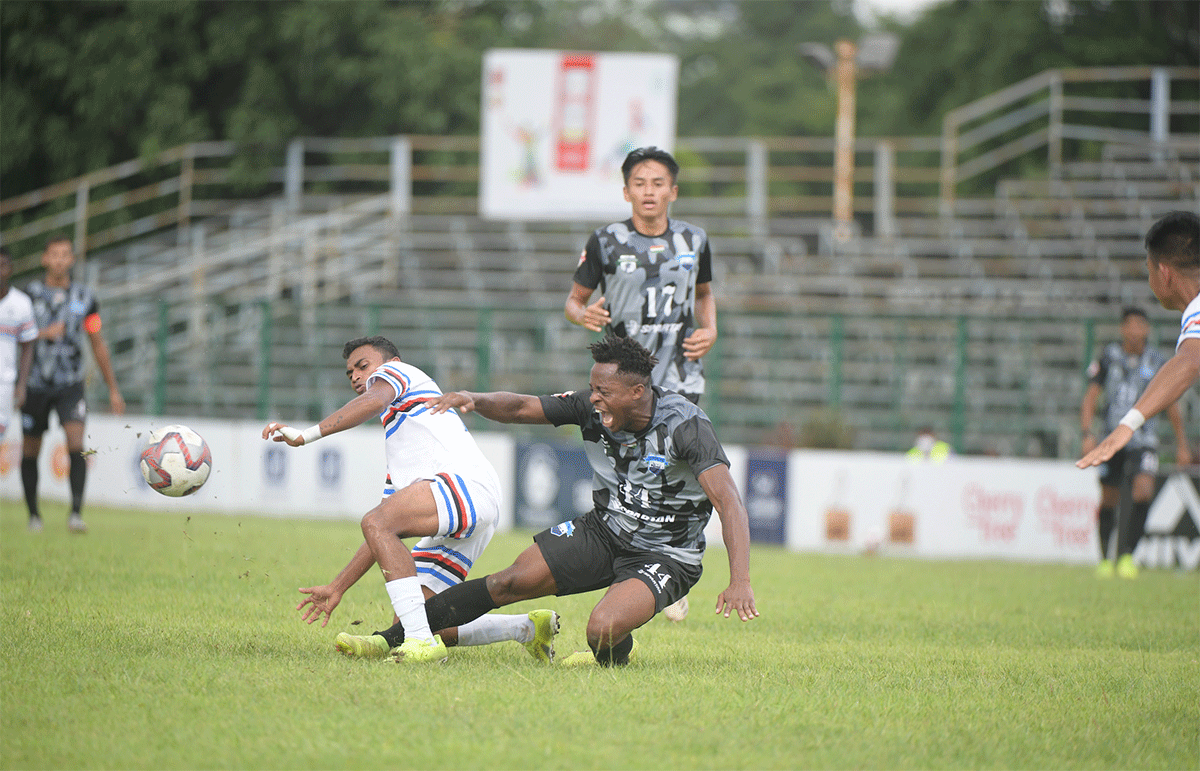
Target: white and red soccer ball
{"points": [[176, 462]]}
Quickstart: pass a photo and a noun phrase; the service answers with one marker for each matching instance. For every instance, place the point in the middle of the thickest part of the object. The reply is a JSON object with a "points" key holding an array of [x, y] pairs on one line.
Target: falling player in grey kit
{"points": [[654, 274]]}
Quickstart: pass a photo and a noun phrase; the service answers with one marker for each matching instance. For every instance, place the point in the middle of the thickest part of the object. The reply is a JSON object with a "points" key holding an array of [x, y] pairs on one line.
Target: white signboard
{"points": [[556, 126], [961, 508], [339, 477]]}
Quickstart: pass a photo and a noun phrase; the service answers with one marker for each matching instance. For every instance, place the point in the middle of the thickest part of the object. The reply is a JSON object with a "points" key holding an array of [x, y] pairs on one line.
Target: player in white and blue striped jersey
{"points": [[440, 487]]}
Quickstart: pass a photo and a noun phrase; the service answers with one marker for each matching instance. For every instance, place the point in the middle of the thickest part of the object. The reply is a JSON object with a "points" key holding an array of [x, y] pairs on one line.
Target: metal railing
{"points": [[1031, 115]]}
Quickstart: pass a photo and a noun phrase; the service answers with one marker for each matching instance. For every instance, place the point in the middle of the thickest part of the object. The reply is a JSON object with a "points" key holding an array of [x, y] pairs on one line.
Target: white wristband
{"points": [[1133, 420], [309, 435]]}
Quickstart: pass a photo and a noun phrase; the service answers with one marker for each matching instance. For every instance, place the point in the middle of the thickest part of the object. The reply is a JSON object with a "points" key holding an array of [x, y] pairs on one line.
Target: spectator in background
{"points": [[928, 447], [1173, 262], [1122, 372], [654, 275], [18, 330], [67, 314]]}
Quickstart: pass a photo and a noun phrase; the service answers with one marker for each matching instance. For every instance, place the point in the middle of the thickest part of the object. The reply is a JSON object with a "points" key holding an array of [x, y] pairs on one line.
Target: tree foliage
{"points": [[85, 84]]}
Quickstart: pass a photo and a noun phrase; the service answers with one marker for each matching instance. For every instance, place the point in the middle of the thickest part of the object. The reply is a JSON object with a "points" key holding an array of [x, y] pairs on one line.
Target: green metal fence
{"points": [[996, 386]]}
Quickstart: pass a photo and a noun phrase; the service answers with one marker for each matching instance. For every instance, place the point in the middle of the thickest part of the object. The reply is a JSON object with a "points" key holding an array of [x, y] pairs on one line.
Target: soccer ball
{"points": [[177, 461]]}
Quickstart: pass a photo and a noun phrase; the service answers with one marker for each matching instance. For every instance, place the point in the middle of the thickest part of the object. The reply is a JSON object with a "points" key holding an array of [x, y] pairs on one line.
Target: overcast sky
{"points": [[904, 9]]}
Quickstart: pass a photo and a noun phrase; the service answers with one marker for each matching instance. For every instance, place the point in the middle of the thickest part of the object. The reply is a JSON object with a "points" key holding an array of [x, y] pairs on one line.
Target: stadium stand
{"points": [[977, 317]]}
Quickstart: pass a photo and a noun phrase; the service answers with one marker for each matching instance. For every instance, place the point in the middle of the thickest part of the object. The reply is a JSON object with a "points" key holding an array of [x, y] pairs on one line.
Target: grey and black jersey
{"points": [[60, 363], [649, 283], [644, 485], [1124, 377]]}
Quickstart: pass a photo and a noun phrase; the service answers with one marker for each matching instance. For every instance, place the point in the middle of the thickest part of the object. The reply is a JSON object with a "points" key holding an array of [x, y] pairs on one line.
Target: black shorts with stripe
{"points": [[584, 555]]}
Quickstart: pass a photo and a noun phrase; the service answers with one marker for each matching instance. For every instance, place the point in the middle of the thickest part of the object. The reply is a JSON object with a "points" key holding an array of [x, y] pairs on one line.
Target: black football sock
{"points": [[459, 604], [394, 634], [1137, 523], [615, 655], [78, 475], [29, 481], [446, 610], [1105, 519]]}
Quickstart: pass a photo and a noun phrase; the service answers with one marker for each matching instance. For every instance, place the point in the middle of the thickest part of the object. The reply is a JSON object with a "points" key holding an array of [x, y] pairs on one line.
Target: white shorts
{"points": [[467, 516], [6, 407]]}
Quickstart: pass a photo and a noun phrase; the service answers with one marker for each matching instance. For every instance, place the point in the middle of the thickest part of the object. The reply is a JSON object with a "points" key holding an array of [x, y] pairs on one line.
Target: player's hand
{"points": [[280, 432], [1106, 449], [738, 597], [595, 316], [53, 331], [116, 402], [319, 603], [455, 400], [699, 343]]}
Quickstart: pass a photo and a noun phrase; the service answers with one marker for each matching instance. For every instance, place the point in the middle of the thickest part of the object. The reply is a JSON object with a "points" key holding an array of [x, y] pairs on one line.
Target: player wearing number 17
{"points": [[654, 274]]}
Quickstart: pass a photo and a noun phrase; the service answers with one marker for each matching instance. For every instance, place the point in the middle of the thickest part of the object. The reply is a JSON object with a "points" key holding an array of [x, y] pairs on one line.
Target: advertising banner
{"points": [[765, 492], [556, 126], [553, 484], [1172, 535], [959, 508], [342, 476]]}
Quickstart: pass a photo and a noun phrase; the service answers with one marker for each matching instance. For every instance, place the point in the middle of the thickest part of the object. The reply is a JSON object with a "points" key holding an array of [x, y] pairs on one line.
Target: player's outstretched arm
{"points": [[357, 411], [500, 406], [320, 601], [1164, 389], [735, 526]]}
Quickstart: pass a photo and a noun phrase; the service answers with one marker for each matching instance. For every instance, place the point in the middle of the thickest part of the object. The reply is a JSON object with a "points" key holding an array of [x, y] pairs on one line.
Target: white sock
{"points": [[491, 628], [409, 603]]}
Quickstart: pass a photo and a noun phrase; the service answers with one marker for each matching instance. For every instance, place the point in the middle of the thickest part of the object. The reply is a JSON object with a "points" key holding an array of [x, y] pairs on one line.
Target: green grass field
{"points": [[163, 641]]}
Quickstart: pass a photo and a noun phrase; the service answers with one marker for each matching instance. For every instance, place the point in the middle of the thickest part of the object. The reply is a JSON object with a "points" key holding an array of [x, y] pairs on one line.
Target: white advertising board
{"points": [[962, 508], [556, 126], [339, 477]]}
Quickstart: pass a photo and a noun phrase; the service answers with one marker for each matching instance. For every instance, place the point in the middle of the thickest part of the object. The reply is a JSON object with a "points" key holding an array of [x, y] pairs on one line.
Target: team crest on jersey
{"points": [[655, 251], [627, 263], [563, 529], [687, 260], [656, 463]]}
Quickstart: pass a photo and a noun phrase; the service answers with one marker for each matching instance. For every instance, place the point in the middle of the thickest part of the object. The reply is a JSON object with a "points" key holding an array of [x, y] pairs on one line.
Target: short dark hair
{"points": [[1133, 311], [629, 356], [5, 253], [58, 239], [378, 342], [651, 153], [1175, 240]]}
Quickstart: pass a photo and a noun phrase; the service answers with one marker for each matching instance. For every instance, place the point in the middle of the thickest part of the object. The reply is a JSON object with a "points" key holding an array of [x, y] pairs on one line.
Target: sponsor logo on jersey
{"points": [[687, 260], [563, 529], [627, 263], [656, 463]]}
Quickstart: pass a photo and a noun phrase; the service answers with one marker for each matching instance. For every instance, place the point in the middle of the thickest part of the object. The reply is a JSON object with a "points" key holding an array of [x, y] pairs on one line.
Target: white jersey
{"points": [[421, 445], [1189, 325], [17, 325]]}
